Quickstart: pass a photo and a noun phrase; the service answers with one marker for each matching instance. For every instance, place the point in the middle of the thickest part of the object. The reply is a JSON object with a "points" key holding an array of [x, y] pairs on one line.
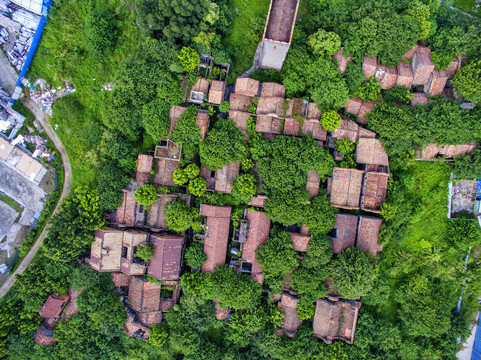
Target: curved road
{"points": [[43, 119]]}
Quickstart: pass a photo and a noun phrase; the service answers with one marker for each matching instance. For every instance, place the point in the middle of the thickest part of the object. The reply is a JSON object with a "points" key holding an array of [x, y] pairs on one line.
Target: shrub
{"points": [[467, 81], [144, 252], [197, 186], [305, 310], [194, 256], [324, 43], [145, 195], [398, 95], [244, 187], [180, 177], [192, 171], [345, 146], [180, 217], [370, 90], [330, 120], [189, 59], [224, 107]]}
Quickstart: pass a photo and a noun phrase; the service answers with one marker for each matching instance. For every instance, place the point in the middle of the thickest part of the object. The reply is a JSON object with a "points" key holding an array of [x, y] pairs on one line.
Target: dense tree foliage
{"points": [[277, 258], [101, 31], [146, 195], [467, 81], [468, 166], [187, 134], [330, 120], [353, 274], [71, 229], [179, 216], [194, 256], [223, 145], [324, 43], [244, 187]]}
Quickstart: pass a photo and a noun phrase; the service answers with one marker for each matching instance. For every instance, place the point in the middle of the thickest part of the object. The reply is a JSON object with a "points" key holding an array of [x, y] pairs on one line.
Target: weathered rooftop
{"points": [[291, 321], [281, 20], [368, 234], [346, 188], [375, 188], [336, 319], [225, 176], [246, 86], [165, 264], [271, 89], [53, 306], [371, 151], [216, 92], [345, 230]]}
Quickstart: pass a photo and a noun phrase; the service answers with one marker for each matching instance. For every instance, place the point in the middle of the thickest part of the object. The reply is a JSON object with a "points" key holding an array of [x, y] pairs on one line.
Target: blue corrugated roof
{"points": [[476, 355]]}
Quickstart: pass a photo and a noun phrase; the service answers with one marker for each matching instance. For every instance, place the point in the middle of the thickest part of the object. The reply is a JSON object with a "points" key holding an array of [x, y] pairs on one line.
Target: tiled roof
{"points": [[345, 229], [174, 115], [281, 20], [44, 336], [313, 182], [419, 98], [166, 261], [135, 328], [291, 321], [202, 85], [371, 151], [353, 106], [126, 214], [258, 201], [259, 227], [299, 241], [348, 129], [165, 172], [246, 86], [346, 188], [202, 122], [366, 108], [144, 296], [335, 319], [155, 217], [368, 234], [53, 306], [120, 279], [271, 89], [216, 235], [430, 151], [313, 111], [375, 188], [369, 66], [216, 92], [342, 61], [273, 106], [389, 79], [144, 163], [436, 83], [225, 176], [268, 124], [405, 75], [422, 66], [314, 128], [240, 118], [292, 127], [410, 53], [239, 102]]}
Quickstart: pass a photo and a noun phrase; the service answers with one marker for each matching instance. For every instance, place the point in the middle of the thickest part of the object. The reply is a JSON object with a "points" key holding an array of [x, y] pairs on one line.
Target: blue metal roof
{"points": [[476, 355]]}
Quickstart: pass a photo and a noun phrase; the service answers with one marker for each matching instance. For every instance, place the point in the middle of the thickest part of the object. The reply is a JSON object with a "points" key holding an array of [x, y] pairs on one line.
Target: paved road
{"points": [[9, 82], [9, 76]]}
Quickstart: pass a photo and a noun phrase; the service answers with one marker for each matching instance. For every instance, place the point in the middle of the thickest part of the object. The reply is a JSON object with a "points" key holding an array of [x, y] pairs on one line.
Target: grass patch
{"points": [[12, 203], [246, 32], [467, 6], [428, 226]]}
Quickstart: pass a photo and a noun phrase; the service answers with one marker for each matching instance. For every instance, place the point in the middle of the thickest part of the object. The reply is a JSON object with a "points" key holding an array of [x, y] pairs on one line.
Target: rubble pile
{"points": [[46, 96], [3, 35]]}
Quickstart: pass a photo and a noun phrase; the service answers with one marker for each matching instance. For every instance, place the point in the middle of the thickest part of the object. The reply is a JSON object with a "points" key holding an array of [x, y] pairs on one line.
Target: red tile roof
{"points": [[165, 172], [120, 279], [202, 122], [430, 151], [240, 118], [259, 228], [389, 79], [366, 108], [239, 102], [375, 188], [291, 321], [271, 89], [216, 235], [268, 125], [225, 176], [436, 83], [342, 61], [134, 328], [246, 86], [292, 127], [411, 52], [348, 129], [314, 128], [346, 188], [368, 234], [422, 66], [313, 182], [273, 106], [53, 306], [165, 264], [419, 98], [313, 111], [405, 75], [126, 214], [345, 229], [369, 66], [299, 241], [353, 106], [258, 201], [44, 336], [216, 92], [371, 151]]}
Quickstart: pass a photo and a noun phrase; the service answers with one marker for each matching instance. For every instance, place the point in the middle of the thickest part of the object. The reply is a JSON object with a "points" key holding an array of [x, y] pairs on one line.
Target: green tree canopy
{"points": [[179, 216], [194, 255], [244, 187], [468, 81], [189, 59], [146, 195], [277, 257], [330, 120], [187, 134], [197, 186], [353, 274], [324, 42], [223, 145], [468, 166], [155, 119]]}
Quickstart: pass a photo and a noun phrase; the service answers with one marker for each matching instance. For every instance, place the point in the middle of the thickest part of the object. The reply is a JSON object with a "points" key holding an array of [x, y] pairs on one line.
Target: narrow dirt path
{"points": [[43, 119]]}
